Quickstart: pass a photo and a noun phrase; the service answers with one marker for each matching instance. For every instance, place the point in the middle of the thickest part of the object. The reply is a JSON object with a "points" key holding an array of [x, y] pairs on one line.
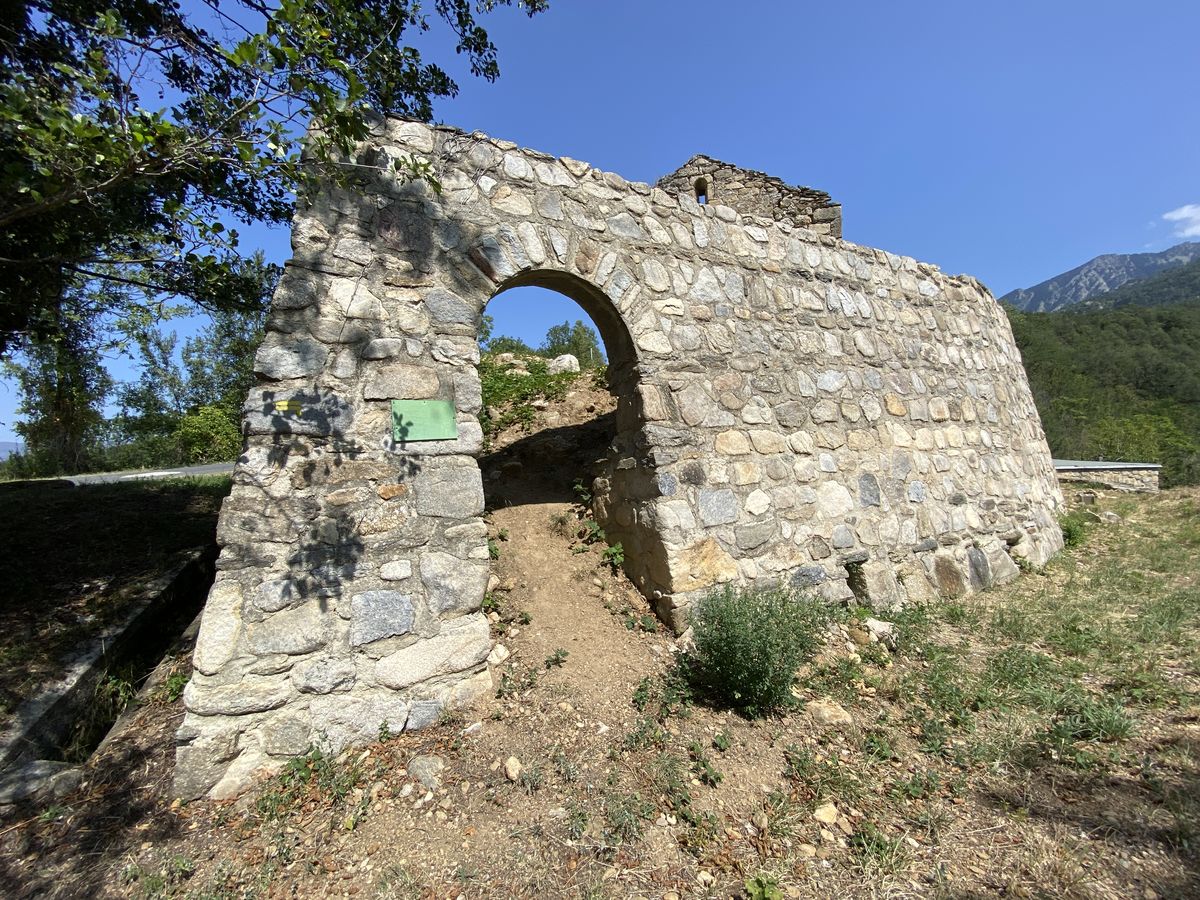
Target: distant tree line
{"points": [[579, 340], [183, 408], [1118, 384]]}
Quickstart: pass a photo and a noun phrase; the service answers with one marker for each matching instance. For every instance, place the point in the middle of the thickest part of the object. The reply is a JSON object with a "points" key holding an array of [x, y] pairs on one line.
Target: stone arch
{"points": [[795, 408], [614, 332]]}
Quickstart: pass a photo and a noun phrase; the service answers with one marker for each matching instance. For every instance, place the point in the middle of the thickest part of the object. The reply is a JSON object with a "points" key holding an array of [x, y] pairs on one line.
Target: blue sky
{"points": [[1011, 141]]}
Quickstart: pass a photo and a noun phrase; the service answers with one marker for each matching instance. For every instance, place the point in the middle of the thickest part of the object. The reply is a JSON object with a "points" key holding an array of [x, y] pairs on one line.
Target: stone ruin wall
{"points": [[792, 408], [756, 194], [1138, 481]]}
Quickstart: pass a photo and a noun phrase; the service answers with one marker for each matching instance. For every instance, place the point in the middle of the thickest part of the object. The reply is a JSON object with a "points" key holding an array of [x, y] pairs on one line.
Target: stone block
{"points": [[758, 502], [453, 585], [284, 735], [833, 500], [277, 594], [979, 570], [401, 382], [461, 644], [375, 615], [384, 348], [308, 412], [1002, 565], [732, 443], [768, 442], [843, 537], [718, 507], [250, 695], [453, 492], [807, 577], [220, 627], [324, 676], [447, 308], [343, 720], [868, 490], [947, 576], [424, 713], [291, 632], [750, 537], [295, 359], [702, 565], [202, 759], [396, 570]]}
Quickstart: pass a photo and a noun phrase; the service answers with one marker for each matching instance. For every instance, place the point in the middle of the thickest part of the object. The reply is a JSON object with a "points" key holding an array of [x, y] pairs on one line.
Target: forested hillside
{"points": [[1118, 384]]}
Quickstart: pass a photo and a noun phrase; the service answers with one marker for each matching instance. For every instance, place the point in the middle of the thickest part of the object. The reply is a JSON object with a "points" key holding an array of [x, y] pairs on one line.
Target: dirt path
{"points": [[565, 594]]}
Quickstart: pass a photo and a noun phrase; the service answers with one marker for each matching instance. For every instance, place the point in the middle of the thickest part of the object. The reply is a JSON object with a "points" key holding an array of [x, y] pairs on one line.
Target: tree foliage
{"points": [[63, 387], [131, 130], [1119, 384], [579, 340], [134, 132], [184, 407], [208, 435]]}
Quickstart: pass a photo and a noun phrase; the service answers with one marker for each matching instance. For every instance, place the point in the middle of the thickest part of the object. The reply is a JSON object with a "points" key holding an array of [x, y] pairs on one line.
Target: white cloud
{"points": [[1187, 219]]}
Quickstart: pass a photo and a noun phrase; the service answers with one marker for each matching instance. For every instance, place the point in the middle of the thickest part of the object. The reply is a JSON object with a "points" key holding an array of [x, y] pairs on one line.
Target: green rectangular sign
{"points": [[423, 420]]}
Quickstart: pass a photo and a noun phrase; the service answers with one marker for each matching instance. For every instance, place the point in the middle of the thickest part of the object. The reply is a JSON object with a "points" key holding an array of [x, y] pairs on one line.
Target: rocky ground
{"points": [[1040, 740]]}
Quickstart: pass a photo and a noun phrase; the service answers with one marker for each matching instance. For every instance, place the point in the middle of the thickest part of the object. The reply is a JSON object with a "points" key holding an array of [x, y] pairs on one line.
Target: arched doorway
{"points": [[570, 440]]}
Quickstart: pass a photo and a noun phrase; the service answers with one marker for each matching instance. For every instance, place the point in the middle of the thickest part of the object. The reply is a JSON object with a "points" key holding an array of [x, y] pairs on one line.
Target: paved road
{"points": [[149, 474]]}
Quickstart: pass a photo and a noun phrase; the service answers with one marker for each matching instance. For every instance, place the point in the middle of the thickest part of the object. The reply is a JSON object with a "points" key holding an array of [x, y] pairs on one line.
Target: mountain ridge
{"points": [[1170, 287], [1101, 275]]}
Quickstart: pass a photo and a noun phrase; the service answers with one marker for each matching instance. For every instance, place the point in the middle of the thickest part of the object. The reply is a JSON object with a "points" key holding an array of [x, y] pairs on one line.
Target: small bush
{"points": [[172, 688], [763, 887], [208, 435], [875, 851], [614, 555], [624, 818], [749, 644], [1074, 529], [509, 394]]}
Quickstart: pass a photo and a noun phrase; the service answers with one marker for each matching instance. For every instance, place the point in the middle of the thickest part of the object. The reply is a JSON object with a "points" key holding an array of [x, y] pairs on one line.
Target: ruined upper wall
{"points": [[755, 194]]}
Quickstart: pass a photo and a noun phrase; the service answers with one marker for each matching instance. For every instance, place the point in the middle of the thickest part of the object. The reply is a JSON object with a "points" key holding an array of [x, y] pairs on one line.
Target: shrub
{"points": [[209, 435], [1074, 529], [749, 644], [148, 451]]}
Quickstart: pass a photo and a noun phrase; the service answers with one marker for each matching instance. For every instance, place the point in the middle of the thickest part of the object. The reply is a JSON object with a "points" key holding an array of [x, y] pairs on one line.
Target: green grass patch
{"points": [[817, 778], [509, 393]]}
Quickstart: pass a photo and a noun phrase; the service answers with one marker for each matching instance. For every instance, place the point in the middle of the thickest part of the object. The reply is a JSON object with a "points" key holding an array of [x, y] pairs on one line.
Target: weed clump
{"points": [[1074, 529], [749, 644]]}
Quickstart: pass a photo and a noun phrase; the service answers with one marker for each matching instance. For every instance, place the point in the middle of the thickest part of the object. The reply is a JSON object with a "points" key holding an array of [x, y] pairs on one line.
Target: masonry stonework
{"points": [[1138, 481], [792, 409]]}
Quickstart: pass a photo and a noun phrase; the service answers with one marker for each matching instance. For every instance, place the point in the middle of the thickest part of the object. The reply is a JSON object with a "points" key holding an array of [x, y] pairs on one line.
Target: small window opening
{"points": [[701, 191]]}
